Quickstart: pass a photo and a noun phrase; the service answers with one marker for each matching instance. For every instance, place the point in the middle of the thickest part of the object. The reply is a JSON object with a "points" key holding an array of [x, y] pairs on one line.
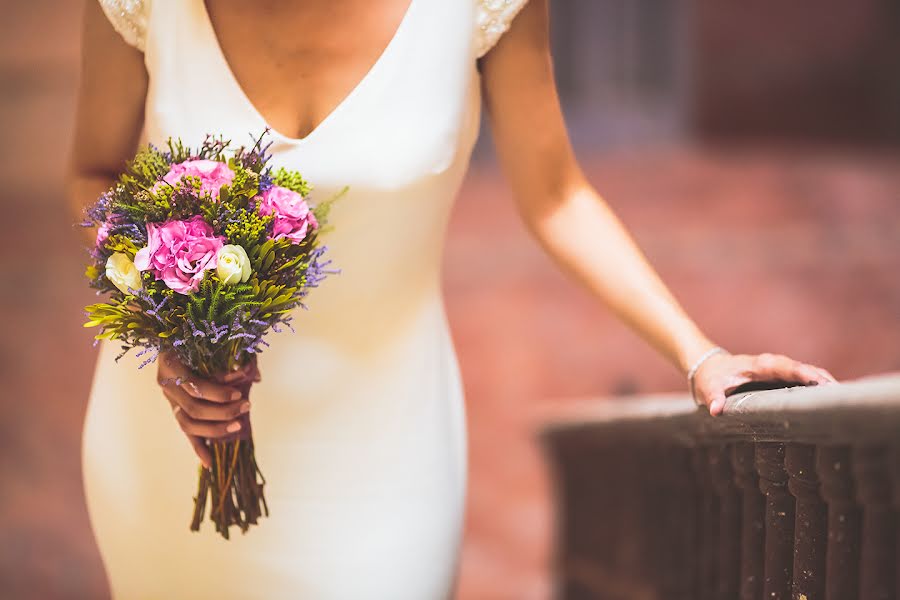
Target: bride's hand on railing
{"points": [[205, 408], [722, 373]]}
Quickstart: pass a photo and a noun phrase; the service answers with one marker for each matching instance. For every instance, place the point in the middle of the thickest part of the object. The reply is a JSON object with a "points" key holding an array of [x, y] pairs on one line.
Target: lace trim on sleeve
{"points": [[493, 18], [129, 18]]}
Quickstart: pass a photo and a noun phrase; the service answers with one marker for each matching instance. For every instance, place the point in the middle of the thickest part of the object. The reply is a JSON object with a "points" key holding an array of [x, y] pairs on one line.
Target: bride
{"points": [[358, 417]]}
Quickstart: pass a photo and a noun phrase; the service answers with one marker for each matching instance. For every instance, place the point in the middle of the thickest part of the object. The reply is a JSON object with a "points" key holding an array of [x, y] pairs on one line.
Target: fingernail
{"points": [[245, 407], [236, 395], [232, 427], [193, 388]]}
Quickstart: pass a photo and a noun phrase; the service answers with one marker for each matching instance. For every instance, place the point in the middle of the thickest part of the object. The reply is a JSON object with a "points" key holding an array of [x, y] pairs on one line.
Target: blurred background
{"points": [[753, 149]]}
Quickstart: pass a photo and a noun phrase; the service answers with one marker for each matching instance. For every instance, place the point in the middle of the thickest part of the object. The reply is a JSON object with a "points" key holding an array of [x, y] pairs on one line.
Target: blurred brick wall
{"points": [[814, 68], [793, 249]]}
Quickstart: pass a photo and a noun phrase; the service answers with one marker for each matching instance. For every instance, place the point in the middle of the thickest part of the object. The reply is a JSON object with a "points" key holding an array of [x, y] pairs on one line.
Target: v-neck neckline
{"points": [[336, 110]]}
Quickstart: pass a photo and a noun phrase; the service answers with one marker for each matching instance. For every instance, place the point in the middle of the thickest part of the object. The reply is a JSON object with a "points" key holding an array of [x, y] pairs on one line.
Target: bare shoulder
{"points": [[519, 23], [520, 59], [493, 18], [520, 92]]}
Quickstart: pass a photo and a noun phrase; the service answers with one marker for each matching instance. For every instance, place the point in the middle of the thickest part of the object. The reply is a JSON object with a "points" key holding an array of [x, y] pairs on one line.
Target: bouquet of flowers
{"points": [[203, 252]]}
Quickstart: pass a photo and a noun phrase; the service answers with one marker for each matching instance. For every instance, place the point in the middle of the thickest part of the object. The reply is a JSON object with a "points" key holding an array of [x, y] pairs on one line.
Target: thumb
{"points": [[201, 449], [717, 404]]}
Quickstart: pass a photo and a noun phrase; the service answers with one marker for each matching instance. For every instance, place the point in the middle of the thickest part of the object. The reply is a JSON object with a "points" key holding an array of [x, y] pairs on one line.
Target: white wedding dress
{"points": [[359, 419]]}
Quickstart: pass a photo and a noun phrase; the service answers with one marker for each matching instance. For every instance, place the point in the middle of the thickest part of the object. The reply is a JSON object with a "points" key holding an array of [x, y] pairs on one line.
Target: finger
{"points": [[816, 375], [717, 404], [201, 450], [732, 382], [246, 372], [810, 374], [233, 376], [827, 375], [209, 390], [203, 409], [170, 367], [197, 443], [207, 429], [768, 367], [238, 373]]}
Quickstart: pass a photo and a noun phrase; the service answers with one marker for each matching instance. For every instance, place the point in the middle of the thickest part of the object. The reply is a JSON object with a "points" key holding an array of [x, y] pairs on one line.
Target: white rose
{"points": [[233, 265], [122, 273]]}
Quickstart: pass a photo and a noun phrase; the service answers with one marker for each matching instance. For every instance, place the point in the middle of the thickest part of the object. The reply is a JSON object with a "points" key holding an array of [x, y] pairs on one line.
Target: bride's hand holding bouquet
{"points": [[206, 408]]}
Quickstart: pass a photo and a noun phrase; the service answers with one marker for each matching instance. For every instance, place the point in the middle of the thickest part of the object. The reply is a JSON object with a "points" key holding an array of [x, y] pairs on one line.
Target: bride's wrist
{"points": [[690, 353]]}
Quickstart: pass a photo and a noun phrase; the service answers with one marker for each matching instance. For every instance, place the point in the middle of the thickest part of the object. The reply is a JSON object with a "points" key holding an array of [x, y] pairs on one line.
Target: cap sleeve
{"points": [[492, 19], [128, 18]]}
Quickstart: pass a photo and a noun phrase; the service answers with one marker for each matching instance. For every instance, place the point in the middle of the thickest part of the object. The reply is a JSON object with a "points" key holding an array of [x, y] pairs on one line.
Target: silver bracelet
{"points": [[693, 370]]}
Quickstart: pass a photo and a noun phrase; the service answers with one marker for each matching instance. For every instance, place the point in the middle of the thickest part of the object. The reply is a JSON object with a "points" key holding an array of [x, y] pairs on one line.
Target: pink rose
{"points": [[212, 174], [180, 252], [293, 218]]}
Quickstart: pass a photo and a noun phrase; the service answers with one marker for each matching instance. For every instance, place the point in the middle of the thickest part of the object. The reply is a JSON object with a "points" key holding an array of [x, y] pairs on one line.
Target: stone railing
{"points": [[791, 494]]}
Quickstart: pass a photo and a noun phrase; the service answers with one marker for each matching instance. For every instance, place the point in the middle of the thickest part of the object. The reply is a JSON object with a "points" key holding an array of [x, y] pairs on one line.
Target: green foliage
{"points": [[215, 300], [120, 319], [291, 180], [323, 208], [146, 167], [250, 230], [121, 243], [244, 187]]}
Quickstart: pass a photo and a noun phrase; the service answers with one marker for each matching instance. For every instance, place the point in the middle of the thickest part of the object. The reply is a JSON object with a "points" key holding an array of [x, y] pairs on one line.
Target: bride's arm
{"points": [[109, 114], [578, 229]]}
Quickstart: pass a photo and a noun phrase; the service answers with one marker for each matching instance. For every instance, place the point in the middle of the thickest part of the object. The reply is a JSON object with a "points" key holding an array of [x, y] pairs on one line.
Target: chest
{"points": [[317, 51], [395, 104]]}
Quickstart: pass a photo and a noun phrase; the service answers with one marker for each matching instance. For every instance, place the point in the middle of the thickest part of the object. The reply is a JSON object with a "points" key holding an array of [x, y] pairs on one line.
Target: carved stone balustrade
{"points": [[791, 494]]}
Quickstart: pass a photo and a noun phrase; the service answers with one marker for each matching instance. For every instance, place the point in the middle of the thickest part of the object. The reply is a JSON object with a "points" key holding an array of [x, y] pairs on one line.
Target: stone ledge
{"points": [[860, 410]]}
